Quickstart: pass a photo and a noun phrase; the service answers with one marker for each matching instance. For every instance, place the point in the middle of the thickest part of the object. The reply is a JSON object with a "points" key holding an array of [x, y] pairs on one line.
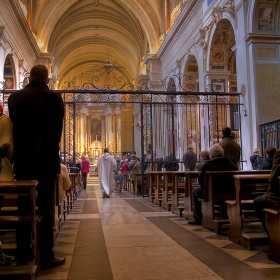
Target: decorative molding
{"points": [[217, 12], [2, 29], [24, 9], [175, 13]]}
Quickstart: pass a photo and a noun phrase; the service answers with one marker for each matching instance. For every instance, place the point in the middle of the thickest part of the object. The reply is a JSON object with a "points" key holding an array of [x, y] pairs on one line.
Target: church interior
{"points": [[139, 75]]}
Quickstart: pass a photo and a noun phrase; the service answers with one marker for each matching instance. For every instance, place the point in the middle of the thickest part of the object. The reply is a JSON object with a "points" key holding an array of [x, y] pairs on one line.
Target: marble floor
{"points": [[128, 237]]}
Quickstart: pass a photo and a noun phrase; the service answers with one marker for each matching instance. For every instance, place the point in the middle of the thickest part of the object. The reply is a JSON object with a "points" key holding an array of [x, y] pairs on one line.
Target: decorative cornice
{"points": [[2, 29], [218, 11], [262, 38], [22, 26]]}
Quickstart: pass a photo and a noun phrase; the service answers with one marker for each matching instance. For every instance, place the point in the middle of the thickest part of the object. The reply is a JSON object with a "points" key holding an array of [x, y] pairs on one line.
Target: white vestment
{"points": [[106, 166]]}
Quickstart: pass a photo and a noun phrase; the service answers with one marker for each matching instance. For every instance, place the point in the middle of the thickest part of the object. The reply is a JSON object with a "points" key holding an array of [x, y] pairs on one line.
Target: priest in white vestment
{"points": [[106, 166]]}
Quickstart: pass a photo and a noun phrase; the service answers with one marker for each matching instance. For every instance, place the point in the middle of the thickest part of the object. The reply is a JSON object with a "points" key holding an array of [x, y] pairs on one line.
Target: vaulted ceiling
{"points": [[80, 32]]}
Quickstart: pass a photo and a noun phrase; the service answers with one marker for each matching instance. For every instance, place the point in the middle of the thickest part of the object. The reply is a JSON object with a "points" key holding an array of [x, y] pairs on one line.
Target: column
{"points": [[118, 130], [103, 131], [82, 134], [109, 132]]}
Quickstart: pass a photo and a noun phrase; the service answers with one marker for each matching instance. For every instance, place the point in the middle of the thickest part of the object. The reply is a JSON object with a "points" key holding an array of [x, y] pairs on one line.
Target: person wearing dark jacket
{"points": [[189, 159], [255, 158], [217, 162], [37, 114], [267, 163], [231, 148], [271, 199]]}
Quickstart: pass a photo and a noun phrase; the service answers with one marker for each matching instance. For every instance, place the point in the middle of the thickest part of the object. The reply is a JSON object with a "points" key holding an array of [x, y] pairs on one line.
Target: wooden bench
{"points": [[70, 193], [58, 208], [272, 222], [19, 272], [158, 186], [167, 189], [178, 191], [125, 181], [151, 185], [214, 196], [11, 219], [190, 183], [241, 211]]}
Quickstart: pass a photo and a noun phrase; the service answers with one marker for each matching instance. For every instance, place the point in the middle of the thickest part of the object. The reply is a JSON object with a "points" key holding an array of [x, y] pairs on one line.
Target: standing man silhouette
{"points": [[37, 114]]}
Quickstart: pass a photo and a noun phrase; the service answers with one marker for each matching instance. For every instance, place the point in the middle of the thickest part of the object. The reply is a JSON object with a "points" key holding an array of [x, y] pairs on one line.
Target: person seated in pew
{"points": [[217, 162], [267, 163], [64, 182], [271, 199], [204, 155], [255, 159]]}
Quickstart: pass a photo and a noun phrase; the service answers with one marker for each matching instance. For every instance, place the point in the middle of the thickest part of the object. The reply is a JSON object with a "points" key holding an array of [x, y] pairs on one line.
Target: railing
{"points": [[270, 135]]}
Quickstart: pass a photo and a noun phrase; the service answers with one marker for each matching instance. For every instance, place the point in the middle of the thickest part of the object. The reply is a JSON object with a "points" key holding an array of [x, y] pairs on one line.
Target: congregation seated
{"points": [[267, 163], [217, 162]]}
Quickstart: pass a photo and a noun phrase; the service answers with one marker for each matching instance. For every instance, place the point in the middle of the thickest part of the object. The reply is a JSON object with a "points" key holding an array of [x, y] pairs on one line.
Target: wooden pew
{"points": [[178, 191], [158, 186], [190, 183], [125, 181], [74, 177], [213, 197], [10, 218], [151, 185], [167, 189], [58, 208], [19, 272], [272, 222], [138, 183], [247, 186]]}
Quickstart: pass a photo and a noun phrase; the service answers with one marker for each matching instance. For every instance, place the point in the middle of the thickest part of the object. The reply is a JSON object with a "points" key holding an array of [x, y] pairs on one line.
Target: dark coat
{"points": [[200, 165], [273, 194], [254, 161], [216, 164], [266, 164], [231, 149], [189, 159], [37, 114]]}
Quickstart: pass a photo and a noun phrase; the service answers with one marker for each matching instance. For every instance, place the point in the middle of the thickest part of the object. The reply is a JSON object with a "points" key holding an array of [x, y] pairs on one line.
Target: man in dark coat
{"points": [[37, 114], [231, 148], [217, 162], [271, 199], [189, 159]]}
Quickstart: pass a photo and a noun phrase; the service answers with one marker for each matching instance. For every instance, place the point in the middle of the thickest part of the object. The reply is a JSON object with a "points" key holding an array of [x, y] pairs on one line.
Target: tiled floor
{"points": [[128, 237]]}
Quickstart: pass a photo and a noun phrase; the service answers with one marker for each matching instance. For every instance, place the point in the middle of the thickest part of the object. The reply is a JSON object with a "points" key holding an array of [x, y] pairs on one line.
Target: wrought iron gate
{"points": [[169, 121]]}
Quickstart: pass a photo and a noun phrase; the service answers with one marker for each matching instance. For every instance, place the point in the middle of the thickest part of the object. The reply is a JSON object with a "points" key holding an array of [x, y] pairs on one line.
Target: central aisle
{"points": [[138, 249], [126, 237]]}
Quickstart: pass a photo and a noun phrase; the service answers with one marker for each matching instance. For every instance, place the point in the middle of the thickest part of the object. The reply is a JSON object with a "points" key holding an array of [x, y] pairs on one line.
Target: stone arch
{"points": [[221, 52], [191, 73], [9, 73]]}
